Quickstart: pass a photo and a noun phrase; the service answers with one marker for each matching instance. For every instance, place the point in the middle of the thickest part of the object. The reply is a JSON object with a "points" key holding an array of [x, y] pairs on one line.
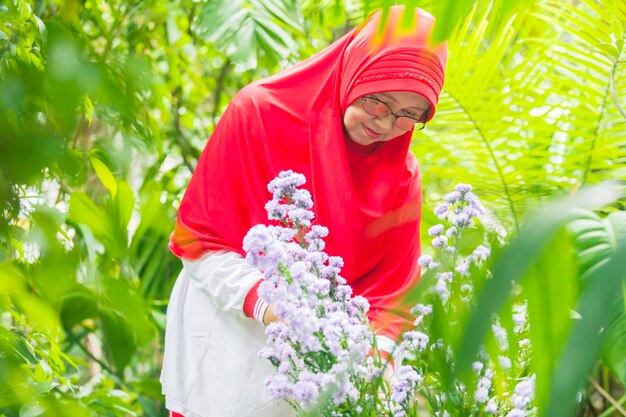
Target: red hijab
{"points": [[369, 197]]}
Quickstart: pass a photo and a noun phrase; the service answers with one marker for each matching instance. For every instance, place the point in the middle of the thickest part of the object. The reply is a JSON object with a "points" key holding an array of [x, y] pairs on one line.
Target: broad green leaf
{"points": [[582, 346], [595, 241], [105, 175], [449, 13], [614, 347], [78, 305], [11, 278], [119, 338], [123, 205], [551, 289], [39, 314], [31, 410], [84, 211]]}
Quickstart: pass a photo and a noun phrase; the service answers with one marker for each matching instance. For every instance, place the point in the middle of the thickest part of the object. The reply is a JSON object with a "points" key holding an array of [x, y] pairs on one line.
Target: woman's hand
{"points": [[269, 316]]}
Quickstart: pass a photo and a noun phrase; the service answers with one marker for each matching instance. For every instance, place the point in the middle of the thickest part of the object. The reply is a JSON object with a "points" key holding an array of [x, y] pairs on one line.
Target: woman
{"points": [[344, 118]]}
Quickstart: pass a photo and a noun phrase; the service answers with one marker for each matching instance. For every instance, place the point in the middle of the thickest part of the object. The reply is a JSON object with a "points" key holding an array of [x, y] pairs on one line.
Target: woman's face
{"points": [[366, 129]]}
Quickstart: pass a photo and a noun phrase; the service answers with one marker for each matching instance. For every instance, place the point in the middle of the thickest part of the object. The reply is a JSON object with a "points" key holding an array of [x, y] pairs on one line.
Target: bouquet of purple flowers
{"points": [[322, 346]]}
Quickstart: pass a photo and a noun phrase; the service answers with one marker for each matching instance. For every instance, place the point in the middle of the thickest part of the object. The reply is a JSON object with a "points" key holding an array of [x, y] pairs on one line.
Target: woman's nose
{"points": [[384, 123]]}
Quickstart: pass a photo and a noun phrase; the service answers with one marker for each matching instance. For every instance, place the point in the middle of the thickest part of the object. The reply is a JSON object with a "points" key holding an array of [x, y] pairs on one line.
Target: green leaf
{"points": [[594, 239], [11, 278], [88, 108], [78, 305], [614, 347], [448, 14], [105, 175], [31, 410], [119, 339], [84, 211], [583, 342], [126, 319], [551, 291], [123, 205], [40, 315]]}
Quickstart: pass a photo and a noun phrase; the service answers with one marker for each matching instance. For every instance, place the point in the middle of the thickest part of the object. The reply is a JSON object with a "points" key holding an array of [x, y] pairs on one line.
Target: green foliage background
{"points": [[105, 107]]}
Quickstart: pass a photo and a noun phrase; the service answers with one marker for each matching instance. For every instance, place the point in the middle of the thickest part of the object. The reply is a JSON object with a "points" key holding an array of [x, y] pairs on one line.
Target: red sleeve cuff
{"points": [[252, 304]]}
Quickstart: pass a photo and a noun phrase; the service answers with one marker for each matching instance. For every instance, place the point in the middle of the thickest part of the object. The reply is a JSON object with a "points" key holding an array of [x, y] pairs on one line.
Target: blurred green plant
{"points": [[540, 260]]}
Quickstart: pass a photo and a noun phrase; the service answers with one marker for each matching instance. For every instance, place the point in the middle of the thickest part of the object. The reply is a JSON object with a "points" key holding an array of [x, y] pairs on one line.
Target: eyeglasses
{"points": [[377, 108]]}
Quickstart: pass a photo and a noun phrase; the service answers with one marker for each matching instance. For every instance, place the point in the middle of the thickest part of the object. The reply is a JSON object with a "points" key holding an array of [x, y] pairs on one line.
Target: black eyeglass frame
{"points": [[417, 124]]}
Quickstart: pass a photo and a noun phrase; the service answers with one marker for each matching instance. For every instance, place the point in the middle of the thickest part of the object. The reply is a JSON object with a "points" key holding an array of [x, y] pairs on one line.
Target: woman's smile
{"points": [[372, 134]]}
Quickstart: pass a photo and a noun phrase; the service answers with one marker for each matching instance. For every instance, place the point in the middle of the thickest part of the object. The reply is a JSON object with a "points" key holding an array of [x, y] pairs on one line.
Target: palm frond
{"points": [[527, 108]]}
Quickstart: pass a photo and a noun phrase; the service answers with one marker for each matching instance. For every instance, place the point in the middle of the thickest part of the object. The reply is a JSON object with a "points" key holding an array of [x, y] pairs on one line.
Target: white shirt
{"points": [[211, 366]]}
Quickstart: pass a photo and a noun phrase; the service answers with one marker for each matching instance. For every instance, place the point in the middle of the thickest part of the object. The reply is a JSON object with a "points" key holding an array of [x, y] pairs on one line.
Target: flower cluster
{"points": [[452, 275], [322, 339], [459, 210]]}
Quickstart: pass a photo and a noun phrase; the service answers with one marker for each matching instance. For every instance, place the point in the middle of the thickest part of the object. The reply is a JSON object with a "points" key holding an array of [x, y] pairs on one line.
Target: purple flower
{"points": [[263, 249], [422, 309], [435, 230], [320, 287], [302, 199], [463, 268], [305, 392], [440, 241], [481, 253], [300, 216], [328, 272], [492, 406], [318, 232], [313, 301], [524, 392], [519, 317], [446, 276], [477, 367], [481, 395], [463, 188], [276, 210], [505, 362], [441, 211], [335, 261], [361, 303], [285, 184], [416, 340], [453, 197], [277, 332], [343, 293], [516, 413], [475, 202], [314, 237], [461, 220], [257, 239], [407, 380], [425, 260], [434, 265], [441, 288], [501, 337], [279, 386]]}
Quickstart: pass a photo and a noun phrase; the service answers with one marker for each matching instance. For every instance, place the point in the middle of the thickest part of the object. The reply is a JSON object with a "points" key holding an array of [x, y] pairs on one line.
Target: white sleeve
{"points": [[227, 278], [385, 343]]}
